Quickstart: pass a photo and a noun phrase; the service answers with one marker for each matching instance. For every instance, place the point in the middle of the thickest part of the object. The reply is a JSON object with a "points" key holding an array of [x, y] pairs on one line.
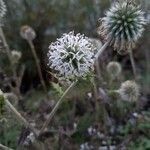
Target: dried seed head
{"points": [[15, 55], [71, 56], [2, 10], [114, 69], [123, 25], [129, 91], [27, 33]]}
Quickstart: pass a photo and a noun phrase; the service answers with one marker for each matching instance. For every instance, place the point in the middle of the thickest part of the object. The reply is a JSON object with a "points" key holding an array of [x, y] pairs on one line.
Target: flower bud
{"points": [[114, 69], [27, 33]]}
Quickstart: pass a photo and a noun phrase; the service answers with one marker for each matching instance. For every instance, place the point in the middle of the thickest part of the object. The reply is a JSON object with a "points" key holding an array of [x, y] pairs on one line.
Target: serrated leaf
{"points": [[58, 88]]}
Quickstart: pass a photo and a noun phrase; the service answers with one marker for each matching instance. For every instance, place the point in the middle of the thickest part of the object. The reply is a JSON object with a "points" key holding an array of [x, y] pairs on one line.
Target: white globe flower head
{"points": [[129, 91], [2, 10], [123, 25], [71, 56]]}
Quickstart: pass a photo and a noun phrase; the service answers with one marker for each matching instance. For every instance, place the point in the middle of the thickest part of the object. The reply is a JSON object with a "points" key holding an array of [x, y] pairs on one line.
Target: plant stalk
{"points": [[5, 147], [133, 63], [19, 116], [37, 65], [56, 107], [102, 49]]}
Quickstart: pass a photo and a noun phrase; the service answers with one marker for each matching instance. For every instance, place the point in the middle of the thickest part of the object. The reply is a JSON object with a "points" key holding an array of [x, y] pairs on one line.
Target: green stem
{"points": [[56, 107], [133, 63], [38, 65], [19, 116], [5, 147]]}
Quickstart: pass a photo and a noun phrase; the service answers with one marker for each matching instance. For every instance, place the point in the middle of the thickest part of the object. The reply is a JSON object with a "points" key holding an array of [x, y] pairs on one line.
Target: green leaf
{"points": [[58, 88]]}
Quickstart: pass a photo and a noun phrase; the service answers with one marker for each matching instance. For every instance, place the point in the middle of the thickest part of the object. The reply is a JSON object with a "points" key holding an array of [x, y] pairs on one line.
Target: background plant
{"points": [[76, 115]]}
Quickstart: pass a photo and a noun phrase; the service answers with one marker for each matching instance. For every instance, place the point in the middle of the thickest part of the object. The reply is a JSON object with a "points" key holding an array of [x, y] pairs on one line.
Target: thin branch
{"points": [[37, 61], [56, 107], [19, 116], [102, 49], [133, 63], [5, 147]]}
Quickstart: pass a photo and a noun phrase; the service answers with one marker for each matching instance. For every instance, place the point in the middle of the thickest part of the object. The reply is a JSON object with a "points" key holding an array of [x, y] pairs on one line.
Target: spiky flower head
{"points": [[27, 33], [15, 55], [129, 91], [114, 69], [2, 10], [123, 25], [71, 56]]}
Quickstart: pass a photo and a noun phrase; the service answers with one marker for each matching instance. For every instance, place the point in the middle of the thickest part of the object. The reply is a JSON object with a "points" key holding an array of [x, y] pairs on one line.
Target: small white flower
{"points": [[71, 56], [2, 9], [123, 25]]}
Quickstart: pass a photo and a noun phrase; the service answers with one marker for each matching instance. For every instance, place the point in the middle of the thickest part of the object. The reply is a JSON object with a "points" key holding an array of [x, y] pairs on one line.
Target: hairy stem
{"points": [[56, 107], [133, 63], [102, 49], [97, 67], [19, 116], [37, 65], [2, 147]]}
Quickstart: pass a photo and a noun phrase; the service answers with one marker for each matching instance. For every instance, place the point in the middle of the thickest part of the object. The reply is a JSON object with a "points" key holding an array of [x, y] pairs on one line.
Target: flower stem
{"points": [[102, 49], [37, 65], [97, 67], [133, 63], [19, 116], [97, 105], [56, 107], [5, 147]]}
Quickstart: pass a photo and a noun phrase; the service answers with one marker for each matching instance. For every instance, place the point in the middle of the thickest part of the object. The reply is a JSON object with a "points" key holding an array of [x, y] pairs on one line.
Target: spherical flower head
{"points": [[15, 55], [123, 26], [129, 91], [71, 56], [114, 69], [27, 33], [2, 9]]}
